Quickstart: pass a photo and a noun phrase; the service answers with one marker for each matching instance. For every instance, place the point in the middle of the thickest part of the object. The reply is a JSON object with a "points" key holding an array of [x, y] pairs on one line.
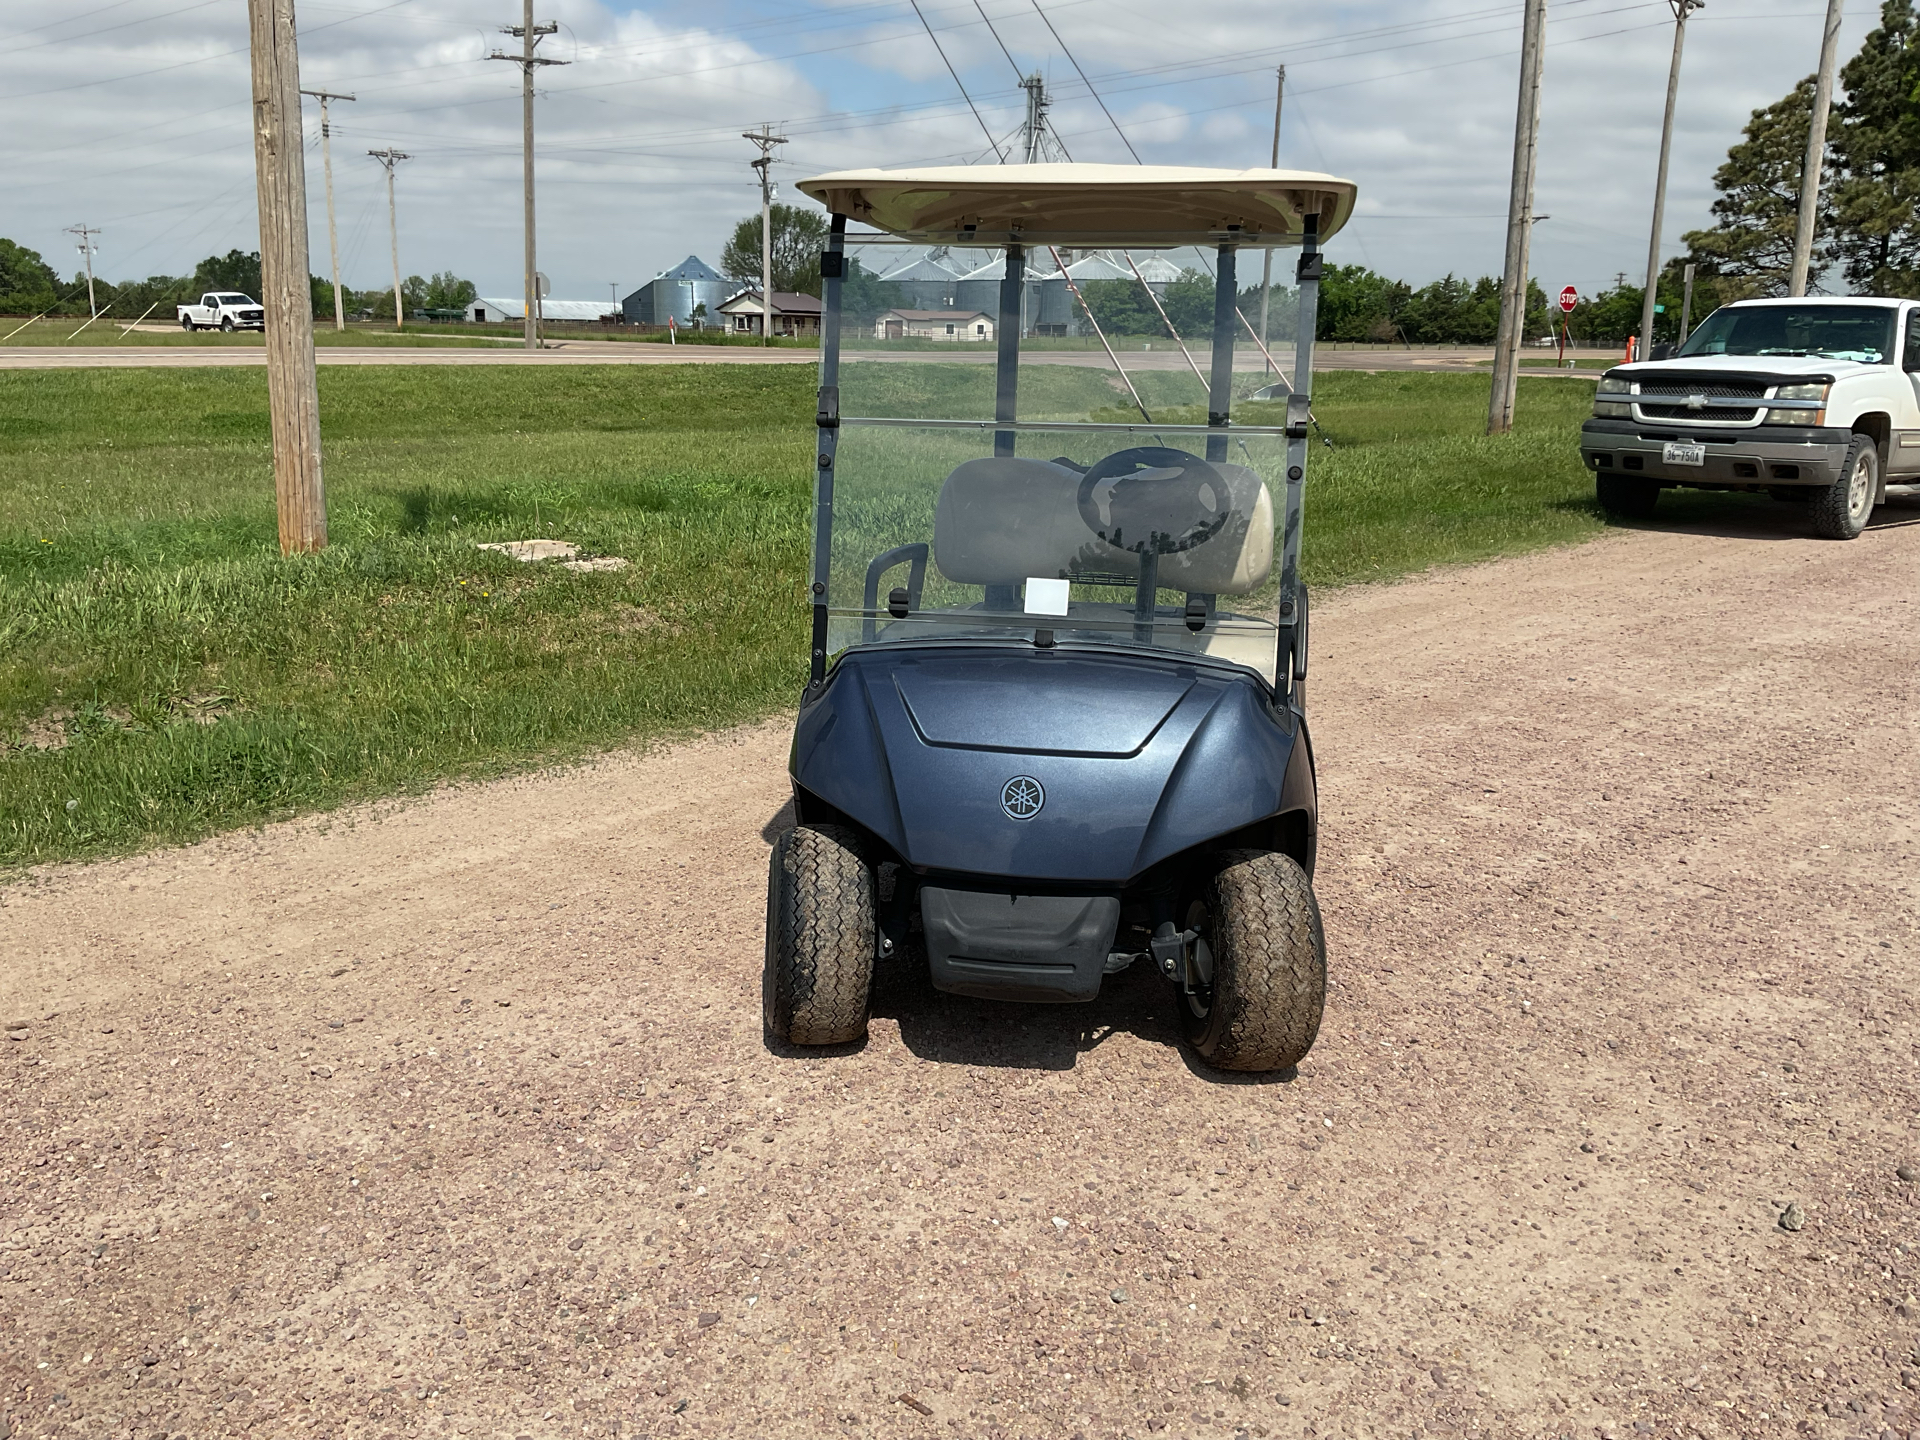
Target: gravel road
{"points": [[453, 1116]]}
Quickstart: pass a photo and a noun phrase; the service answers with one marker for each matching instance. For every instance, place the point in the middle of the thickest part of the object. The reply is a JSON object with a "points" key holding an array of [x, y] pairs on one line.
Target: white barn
{"points": [[499, 308]]}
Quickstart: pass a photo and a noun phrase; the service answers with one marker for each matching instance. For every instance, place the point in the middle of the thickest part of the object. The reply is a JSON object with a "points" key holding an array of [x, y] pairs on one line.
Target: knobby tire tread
{"points": [[1830, 514], [820, 937], [1270, 962]]}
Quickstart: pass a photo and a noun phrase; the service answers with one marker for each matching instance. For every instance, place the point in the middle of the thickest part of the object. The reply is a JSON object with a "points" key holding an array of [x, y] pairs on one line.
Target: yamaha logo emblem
{"points": [[1022, 797]]}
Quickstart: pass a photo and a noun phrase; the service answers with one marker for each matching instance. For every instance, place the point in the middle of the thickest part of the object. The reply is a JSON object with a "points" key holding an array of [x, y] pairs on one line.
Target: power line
{"points": [[956, 80]]}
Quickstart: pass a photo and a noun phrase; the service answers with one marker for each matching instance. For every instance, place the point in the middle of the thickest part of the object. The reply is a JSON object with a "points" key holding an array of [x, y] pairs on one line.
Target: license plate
{"points": [[1682, 452]]}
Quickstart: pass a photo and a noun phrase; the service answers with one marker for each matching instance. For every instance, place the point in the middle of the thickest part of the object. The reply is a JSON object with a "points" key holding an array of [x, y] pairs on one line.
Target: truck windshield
{"points": [[234, 299], [1831, 332]]}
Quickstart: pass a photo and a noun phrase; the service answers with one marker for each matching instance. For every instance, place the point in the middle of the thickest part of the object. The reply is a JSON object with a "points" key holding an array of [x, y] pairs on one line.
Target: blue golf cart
{"points": [[1055, 720]]}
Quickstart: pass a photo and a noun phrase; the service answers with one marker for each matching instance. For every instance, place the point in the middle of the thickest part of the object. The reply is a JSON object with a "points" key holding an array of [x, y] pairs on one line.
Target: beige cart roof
{"points": [[1142, 205]]}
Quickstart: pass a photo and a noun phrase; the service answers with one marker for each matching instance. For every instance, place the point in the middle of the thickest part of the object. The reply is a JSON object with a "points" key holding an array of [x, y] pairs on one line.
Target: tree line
{"points": [[30, 286]]}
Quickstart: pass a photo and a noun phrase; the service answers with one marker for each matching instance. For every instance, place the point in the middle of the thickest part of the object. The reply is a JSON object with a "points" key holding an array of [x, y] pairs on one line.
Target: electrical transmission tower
{"points": [[391, 157], [766, 140], [333, 236], [529, 35], [87, 250]]}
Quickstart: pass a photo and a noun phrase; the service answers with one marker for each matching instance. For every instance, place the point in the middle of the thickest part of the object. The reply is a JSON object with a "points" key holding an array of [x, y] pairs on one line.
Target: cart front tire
{"points": [[1626, 499], [1256, 979], [1841, 511], [820, 938]]}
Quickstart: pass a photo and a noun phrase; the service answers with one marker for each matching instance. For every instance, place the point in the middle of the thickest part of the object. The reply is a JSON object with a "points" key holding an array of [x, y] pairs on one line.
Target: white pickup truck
{"points": [[225, 309], [1814, 400]]}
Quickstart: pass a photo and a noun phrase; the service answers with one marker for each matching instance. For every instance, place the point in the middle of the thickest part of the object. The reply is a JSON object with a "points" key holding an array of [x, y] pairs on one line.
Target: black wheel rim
{"points": [[1196, 981]]}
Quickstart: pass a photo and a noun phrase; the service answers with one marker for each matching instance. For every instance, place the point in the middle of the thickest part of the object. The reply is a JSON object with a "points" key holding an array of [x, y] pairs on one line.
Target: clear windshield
{"points": [[1086, 521], [1829, 332]]}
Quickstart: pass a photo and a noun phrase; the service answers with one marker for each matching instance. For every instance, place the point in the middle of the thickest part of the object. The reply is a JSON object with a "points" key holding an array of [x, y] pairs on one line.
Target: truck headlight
{"points": [[1615, 385], [1799, 417], [1611, 410]]}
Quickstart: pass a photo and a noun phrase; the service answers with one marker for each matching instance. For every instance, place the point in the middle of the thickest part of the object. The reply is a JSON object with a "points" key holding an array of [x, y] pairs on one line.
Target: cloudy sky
{"points": [[132, 116]]}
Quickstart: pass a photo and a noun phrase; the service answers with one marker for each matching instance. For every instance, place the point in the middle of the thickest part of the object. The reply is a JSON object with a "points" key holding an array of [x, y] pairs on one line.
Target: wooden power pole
{"points": [[1520, 218], [280, 173], [1816, 153], [391, 157], [765, 139], [1266, 252], [333, 235], [529, 35], [1681, 9]]}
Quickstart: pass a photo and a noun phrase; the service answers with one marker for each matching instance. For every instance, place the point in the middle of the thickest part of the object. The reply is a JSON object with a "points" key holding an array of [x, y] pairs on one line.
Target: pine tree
{"points": [[1750, 247], [1875, 139]]}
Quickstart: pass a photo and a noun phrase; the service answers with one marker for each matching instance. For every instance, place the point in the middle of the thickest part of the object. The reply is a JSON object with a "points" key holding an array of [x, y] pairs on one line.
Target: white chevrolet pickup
{"points": [[1814, 400], [225, 308]]}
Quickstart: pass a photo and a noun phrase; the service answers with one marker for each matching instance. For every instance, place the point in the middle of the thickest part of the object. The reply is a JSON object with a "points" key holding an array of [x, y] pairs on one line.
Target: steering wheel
{"points": [[1161, 500]]}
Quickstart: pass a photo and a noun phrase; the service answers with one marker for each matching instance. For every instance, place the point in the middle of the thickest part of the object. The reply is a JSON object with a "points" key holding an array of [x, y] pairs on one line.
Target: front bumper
{"points": [[1748, 459]]}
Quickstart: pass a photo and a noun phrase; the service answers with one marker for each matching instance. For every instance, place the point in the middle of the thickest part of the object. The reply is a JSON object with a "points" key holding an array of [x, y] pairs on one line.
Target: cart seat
{"points": [[1003, 520]]}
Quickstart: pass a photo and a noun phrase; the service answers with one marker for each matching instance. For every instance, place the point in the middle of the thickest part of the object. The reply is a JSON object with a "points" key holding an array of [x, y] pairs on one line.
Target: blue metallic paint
{"points": [[1142, 757]]}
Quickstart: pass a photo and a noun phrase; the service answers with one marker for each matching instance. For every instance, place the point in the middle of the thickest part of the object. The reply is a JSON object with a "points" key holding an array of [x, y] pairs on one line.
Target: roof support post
{"points": [[827, 420], [1006, 378], [1226, 310], [1290, 671]]}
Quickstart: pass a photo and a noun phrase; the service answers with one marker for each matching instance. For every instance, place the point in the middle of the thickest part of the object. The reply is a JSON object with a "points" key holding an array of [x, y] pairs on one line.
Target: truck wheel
{"points": [[820, 938], [1626, 499], [1841, 510], [226, 323], [186, 323], [1256, 978]]}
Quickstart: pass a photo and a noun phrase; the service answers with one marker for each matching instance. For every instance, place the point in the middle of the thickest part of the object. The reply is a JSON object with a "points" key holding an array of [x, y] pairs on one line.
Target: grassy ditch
{"points": [[165, 673]]}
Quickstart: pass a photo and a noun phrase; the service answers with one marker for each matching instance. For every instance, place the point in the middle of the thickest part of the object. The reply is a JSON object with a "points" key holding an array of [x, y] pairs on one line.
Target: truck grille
{"points": [[1723, 416], [1722, 389]]}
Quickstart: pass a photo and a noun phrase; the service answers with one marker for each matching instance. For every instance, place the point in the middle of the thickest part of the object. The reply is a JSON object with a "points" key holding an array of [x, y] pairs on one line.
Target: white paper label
{"points": [[1046, 597]]}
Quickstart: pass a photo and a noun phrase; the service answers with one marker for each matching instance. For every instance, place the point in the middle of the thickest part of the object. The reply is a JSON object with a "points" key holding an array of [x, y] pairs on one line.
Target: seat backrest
{"points": [[1004, 520]]}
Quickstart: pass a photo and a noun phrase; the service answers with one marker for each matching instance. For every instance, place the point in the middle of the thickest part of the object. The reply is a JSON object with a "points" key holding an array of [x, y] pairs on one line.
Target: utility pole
{"points": [[286, 293], [87, 251], [1686, 302], [1520, 217], [391, 157], [766, 140], [1681, 9], [1816, 153], [529, 35], [1266, 254], [333, 236]]}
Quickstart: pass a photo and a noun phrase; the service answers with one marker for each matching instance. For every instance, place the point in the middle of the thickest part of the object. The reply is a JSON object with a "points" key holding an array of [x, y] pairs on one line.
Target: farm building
{"points": [[956, 325], [496, 308], [677, 293], [792, 314], [1050, 308], [925, 283]]}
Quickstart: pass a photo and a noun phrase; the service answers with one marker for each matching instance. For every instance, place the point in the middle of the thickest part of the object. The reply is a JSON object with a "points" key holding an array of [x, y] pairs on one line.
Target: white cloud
{"points": [[133, 116]]}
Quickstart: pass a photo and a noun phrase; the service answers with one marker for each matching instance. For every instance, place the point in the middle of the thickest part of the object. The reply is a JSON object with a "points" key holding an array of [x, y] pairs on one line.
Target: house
{"points": [[675, 294], [792, 314], [500, 308], [956, 325]]}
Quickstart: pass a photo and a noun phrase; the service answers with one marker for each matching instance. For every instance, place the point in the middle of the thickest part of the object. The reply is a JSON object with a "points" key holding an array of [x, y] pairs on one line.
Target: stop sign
{"points": [[1569, 298]]}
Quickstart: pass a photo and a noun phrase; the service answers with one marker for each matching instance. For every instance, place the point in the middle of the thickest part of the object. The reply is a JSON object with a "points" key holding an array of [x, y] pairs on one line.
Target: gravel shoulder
{"points": [[454, 1116]]}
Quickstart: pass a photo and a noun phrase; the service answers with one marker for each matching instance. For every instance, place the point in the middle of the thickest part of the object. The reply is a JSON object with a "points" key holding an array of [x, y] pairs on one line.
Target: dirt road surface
{"points": [[454, 1117]]}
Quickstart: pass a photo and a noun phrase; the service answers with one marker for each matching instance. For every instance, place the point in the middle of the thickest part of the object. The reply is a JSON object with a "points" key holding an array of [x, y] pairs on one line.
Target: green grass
{"points": [[205, 682]]}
